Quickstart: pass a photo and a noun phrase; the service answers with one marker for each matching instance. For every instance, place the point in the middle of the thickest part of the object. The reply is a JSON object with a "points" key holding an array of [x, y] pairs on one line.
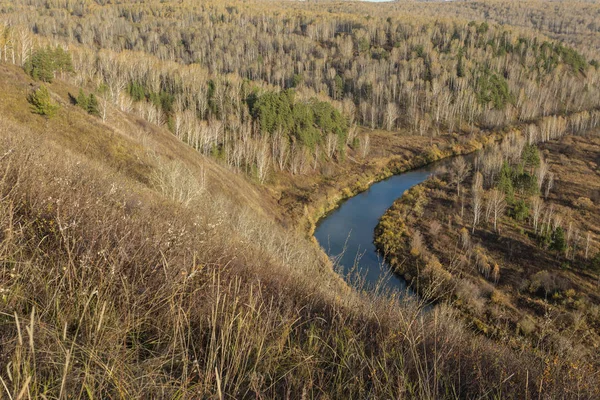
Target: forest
{"points": [[200, 69], [163, 166]]}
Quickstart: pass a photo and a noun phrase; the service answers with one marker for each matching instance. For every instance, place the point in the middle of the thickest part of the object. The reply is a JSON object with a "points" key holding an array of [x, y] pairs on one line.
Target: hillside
{"points": [[112, 289], [163, 165]]}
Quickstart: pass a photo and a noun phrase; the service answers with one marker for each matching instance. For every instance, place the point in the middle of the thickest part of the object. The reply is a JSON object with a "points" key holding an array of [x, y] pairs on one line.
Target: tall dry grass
{"points": [[113, 289]]}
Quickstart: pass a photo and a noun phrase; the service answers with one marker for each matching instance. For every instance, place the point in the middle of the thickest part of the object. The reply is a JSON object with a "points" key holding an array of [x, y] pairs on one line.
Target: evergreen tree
{"points": [[505, 183], [92, 105], [559, 242], [460, 68], [40, 66], [41, 103], [493, 88], [44, 63], [82, 100], [530, 157], [595, 264], [520, 211]]}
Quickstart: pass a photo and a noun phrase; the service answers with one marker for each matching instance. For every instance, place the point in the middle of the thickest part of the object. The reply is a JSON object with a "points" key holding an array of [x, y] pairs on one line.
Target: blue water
{"points": [[346, 234]]}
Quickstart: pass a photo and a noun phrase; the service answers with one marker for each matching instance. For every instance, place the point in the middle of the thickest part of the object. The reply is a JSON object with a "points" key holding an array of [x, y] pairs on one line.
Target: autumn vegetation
{"points": [[510, 238], [161, 164]]}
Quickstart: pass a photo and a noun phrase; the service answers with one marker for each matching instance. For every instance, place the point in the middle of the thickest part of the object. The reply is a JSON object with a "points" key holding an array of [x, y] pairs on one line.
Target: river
{"points": [[346, 234]]}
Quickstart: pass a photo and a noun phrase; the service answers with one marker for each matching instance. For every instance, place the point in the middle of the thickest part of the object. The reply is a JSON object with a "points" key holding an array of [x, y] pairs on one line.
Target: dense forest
{"points": [[163, 165], [219, 76]]}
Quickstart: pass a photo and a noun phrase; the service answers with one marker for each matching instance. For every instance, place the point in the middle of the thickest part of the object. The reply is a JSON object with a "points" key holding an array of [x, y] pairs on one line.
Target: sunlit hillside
{"points": [[163, 165]]}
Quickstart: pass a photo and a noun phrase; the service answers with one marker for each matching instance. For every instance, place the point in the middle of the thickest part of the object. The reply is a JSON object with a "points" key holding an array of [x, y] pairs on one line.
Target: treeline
{"points": [[393, 71]]}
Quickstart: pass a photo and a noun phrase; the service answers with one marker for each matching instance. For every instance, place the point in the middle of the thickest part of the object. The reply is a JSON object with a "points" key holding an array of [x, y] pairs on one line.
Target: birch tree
{"points": [[364, 145], [477, 201], [459, 171], [497, 202], [537, 208], [549, 184]]}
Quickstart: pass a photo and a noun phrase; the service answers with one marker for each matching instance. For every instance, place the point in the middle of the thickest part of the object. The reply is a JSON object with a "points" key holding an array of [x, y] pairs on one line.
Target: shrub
{"points": [[41, 103], [526, 325], [546, 283], [583, 202], [520, 211]]}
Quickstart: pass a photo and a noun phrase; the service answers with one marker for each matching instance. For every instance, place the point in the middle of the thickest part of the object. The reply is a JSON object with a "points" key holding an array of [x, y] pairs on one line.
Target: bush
{"points": [[583, 202], [41, 103], [520, 211], [545, 283], [526, 325]]}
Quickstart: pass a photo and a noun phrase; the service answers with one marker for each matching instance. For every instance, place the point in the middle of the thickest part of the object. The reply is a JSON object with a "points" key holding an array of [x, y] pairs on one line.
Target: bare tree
{"points": [[459, 172], [537, 207], [541, 173], [465, 238], [297, 159], [262, 160], [352, 133], [498, 205], [424, 125], [588, 240], [391, 115], [104, 104], [26, 45], [279, 149], [575, 242], [488, 208], [331, 142], [434, 228], [477, 206], [417, 243], [478, 181], [549, 184], [365, 144], [496, 273]]}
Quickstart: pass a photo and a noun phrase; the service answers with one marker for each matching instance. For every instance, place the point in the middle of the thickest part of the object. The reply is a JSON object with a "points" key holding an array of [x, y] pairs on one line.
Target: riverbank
{"points": [[510, 283], [305, 199]]}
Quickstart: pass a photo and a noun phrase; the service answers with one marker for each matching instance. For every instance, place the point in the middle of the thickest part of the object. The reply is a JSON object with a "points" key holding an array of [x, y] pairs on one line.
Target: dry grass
{"points": [[111, 287]]}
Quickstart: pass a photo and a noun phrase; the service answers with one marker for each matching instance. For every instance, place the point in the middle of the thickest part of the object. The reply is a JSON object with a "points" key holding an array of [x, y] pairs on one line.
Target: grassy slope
{"points": [[128, 144]]}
